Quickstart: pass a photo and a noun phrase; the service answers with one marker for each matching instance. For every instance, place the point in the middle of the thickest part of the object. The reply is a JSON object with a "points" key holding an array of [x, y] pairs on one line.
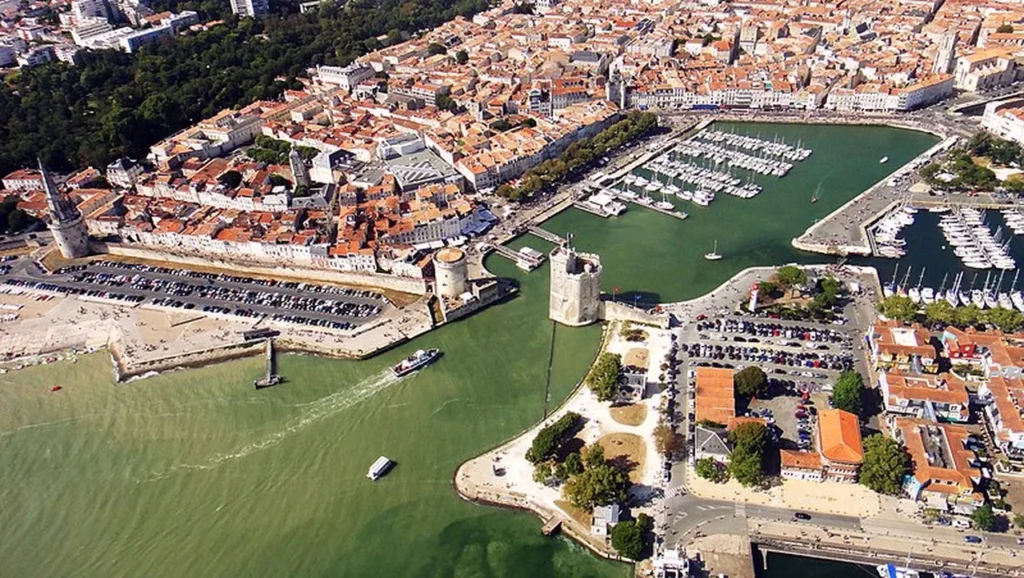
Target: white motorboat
{"points": [[379, 468]]}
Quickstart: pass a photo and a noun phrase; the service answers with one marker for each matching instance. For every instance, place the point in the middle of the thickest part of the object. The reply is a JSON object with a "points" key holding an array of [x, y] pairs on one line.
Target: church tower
{"points": [[66, 223], [299, 170]]}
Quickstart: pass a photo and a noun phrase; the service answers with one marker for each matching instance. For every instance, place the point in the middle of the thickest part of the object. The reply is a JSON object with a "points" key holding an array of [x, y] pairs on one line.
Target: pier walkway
{"points": [[546, 235], [517, 257], [618, 195]]}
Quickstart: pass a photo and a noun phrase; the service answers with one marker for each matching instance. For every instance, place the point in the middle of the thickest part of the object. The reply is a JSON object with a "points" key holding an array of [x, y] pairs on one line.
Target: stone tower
{"points": [[299, 170], [575, 287], [451, 271], [946, 54], [66, 223]]}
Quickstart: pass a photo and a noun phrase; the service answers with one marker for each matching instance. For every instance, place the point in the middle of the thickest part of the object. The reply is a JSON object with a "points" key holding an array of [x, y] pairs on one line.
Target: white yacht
{"points": [[713, 255]]}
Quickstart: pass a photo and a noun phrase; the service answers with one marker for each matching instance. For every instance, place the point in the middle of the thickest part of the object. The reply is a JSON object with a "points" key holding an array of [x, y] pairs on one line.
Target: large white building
{"points": [[345, 77], [985, 70]]}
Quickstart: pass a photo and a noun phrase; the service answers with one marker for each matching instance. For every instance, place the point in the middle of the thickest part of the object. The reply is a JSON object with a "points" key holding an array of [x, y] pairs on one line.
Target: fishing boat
{"points": [[415, 361], [713, 255]]}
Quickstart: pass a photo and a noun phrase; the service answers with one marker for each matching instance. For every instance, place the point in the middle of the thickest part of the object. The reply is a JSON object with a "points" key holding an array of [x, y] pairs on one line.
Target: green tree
{"points": [[667, 441], [885, 465], [968, 316], [434, 48], [603, 378], [445, 102], [594, 456], [573, 464], [985, 519], [1005, 29], [461, 57], [598, 486], [550, 438], [767, 288], [628, 539], [789, 276], [940, 311], [1018, 520], [751, 382], [711, 469], [899, 307], [848, 392], [746, 460], [1008, 320], [542, 472]]}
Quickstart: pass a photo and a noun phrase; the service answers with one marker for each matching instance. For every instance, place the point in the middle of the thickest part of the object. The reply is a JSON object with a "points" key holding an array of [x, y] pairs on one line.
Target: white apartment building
{"points": [[252, 8]]}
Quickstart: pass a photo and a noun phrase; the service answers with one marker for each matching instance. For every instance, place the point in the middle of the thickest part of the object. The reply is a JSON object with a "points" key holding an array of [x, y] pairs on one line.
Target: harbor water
{"points": [[195, 473]]}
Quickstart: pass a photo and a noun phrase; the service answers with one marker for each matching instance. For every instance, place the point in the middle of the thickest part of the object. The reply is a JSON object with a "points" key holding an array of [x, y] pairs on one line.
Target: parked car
{"points": [[801, 516], [972, 539]]}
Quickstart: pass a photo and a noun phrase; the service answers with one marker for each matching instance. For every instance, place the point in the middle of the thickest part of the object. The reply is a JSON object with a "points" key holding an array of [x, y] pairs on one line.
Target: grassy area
{"points": [[632, 414], [579, 514], [627, 450]]}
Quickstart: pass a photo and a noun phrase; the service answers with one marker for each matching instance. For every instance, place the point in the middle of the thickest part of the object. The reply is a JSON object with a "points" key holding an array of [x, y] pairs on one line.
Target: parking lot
{"points": [[300, 303], [797, 356]]}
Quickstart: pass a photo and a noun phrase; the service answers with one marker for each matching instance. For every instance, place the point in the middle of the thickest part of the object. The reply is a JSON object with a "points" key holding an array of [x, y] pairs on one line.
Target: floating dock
{"points": [[545, 235]]}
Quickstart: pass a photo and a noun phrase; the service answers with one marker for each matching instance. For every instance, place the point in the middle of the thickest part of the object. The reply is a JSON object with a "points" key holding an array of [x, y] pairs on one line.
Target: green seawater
{"points": [[194, 473]]}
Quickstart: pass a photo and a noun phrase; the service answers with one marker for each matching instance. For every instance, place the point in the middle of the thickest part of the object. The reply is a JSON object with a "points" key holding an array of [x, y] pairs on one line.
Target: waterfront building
{"points": [[575, 295], [603, 518], [839, 444], [945, 471], [66, 222], [799, 465], [936, 397], [908, 349]]}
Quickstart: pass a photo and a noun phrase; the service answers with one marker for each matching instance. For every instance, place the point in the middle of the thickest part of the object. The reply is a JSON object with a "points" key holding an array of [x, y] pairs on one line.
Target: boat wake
{"points": [[33, 426], [314, 412]]}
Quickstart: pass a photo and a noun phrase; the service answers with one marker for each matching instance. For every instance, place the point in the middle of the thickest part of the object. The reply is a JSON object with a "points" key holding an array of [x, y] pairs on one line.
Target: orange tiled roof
{"points": [[839, 433], [715, 396]]}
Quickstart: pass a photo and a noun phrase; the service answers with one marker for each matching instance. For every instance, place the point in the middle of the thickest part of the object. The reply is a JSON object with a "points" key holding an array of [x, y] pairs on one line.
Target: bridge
{"points": [[546, 235]]}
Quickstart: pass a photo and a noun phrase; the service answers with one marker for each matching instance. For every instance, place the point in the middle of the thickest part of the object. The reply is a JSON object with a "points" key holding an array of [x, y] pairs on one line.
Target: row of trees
{"points": [[113, 104], [940, 311], [603, 378], [579, 155]]}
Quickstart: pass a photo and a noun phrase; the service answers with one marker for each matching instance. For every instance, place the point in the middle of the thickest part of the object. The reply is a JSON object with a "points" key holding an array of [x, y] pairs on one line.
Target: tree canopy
{"points": [[603, 378], [885, 465], [113, 104], [985, 518], [848, 392], [899, 307], [746, 460], [667, 440], [550, 438], [751, 382], [712, 470], [789, 275], [628, 539], [597, 486]]}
